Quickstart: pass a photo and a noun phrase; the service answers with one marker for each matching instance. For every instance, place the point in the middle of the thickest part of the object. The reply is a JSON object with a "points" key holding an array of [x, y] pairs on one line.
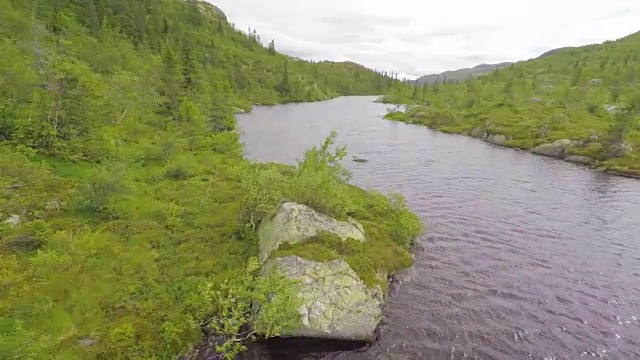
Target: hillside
{"points": [[460, 74], [128, 214], [588, 94]]}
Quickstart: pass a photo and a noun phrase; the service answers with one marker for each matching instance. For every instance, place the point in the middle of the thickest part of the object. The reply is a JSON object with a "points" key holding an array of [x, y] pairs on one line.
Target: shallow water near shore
{"points": [[525, 257]]}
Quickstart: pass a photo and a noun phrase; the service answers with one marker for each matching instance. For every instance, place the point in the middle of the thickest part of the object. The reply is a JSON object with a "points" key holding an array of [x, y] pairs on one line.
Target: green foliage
{"points": [[320, 182], [373, 260], [580, 94], [235, 304], [121, 159]]}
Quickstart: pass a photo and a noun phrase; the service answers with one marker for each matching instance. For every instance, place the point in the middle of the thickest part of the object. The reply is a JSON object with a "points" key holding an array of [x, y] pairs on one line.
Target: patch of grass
{"points": [[397, 116], [373, 260]]}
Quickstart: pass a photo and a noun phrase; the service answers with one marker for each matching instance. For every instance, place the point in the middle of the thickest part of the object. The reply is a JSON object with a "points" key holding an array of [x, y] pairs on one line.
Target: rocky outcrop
{"points": [[558, 148], [295, 223], [335, 303]]}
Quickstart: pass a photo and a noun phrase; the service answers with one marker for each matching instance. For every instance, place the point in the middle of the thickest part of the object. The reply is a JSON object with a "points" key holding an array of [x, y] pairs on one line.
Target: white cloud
{"points": [[417, 37]]}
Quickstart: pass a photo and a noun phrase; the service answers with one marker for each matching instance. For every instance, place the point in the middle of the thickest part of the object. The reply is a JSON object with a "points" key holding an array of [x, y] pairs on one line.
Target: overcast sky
{"points": [[419, 37]]}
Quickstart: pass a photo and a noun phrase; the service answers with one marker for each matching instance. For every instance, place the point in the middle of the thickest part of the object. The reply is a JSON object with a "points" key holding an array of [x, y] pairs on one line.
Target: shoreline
{"points": [[487, 138]]}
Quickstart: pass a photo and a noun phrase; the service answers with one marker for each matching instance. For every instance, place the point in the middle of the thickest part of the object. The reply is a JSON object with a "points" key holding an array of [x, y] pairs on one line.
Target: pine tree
{"points": [[272, 47], [284, 88]]}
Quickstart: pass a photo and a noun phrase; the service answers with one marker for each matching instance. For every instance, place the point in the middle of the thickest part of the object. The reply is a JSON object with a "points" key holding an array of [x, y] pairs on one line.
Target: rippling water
{"points": [[525, 257]]}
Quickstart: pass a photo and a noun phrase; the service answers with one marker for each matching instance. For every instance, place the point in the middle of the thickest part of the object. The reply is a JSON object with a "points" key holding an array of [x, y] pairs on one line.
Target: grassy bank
{"points": [[588, 94]]}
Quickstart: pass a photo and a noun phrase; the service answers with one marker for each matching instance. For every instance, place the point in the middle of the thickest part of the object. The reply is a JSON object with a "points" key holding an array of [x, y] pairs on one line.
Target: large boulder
{"points": [[335, 302], [295, 223], [558, 148]]}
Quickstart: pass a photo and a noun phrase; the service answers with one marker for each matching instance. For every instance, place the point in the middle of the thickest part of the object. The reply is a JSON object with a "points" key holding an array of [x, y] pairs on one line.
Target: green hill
{"points": [[587, 94], [127, 210]]}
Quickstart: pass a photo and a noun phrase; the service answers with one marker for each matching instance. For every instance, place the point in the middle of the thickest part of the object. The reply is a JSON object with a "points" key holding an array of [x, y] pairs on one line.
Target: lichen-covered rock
{"points": [[558, 148], [497, 139], [335, 302], [295, 223], [578, 159]]}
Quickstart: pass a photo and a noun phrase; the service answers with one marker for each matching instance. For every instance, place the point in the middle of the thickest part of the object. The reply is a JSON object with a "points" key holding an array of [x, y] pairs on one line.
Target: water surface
{"points": [[525, 257]]}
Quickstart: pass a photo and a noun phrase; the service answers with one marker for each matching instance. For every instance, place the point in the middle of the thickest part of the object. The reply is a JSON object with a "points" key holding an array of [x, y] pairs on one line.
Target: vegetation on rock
{"points": [[321, 182], [131, 212], [588, 94]]}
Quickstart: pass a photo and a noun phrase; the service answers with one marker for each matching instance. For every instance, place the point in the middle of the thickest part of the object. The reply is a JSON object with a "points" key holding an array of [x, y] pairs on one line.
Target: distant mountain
{"points": [[554, 51], [460, 74]]}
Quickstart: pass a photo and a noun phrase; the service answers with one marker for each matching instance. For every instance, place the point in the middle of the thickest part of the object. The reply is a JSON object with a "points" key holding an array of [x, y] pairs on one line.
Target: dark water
{"points": [[525, 257]]}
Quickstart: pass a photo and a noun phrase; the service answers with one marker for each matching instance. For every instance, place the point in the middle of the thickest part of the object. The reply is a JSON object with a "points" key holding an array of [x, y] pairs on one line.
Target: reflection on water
{"points": [[525, 257]]}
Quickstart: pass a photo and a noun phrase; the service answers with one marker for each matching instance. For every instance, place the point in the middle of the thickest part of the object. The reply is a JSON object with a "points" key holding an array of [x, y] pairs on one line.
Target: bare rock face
{"points": [[336, 304], [295, 223]]}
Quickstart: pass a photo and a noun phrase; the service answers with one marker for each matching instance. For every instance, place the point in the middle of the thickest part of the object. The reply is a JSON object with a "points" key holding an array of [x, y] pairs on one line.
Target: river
{"points": [[524, 257]]}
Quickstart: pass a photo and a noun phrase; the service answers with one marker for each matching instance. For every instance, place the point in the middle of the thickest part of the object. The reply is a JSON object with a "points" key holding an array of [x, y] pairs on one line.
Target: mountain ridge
{"points": [[460, 74]]}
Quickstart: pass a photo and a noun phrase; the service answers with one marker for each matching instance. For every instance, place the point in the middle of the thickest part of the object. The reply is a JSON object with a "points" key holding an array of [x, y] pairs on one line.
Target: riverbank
{"points": [[589, 152], [511, 239]]}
